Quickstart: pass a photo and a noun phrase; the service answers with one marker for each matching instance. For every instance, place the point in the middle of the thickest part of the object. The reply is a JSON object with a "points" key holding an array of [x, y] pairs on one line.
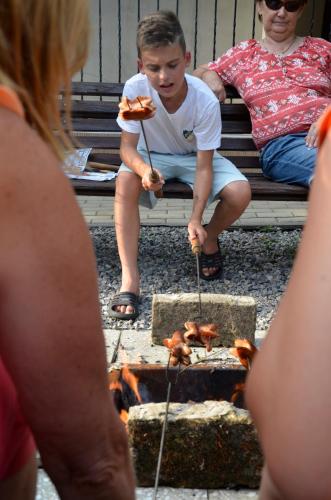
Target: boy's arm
{"points": [[212, 79], [51, 337], [132, 159], [201, 191]]}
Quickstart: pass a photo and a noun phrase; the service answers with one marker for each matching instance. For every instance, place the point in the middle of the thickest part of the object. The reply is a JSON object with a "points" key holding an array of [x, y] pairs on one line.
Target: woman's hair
{"points": [[42, 44], [159, 29]]}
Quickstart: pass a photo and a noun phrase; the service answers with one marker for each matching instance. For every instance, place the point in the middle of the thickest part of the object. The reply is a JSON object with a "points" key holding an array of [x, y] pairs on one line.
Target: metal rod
{"points": [[199, 290], [164, 427], [147, 148]]}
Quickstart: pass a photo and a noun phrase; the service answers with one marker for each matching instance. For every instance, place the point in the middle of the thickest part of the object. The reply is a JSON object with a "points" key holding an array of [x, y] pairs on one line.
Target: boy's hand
{"points": [[196, 230], [148, 185]]}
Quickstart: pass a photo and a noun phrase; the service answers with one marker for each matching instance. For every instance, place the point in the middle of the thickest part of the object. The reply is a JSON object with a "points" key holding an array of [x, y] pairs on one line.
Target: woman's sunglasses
{"points": [[290, 6]]}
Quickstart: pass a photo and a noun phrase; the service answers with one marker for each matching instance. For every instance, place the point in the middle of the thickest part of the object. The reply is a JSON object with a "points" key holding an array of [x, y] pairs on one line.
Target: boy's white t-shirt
{"points": [[196, 125]]}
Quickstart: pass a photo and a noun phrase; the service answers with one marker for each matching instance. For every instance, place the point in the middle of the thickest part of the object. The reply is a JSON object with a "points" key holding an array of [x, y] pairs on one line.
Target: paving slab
{"points": [[46, 491], [111, 341], [138, 347]]}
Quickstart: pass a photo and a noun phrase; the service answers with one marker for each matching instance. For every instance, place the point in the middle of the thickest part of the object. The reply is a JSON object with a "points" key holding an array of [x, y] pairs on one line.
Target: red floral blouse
{"points": [[284, 94]]}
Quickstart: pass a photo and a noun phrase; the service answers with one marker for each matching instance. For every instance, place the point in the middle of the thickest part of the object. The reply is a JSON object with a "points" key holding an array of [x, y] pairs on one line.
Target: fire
{"points": [[116, 385], [124, 416], [121, 391], [132, 381], [238, 390]]}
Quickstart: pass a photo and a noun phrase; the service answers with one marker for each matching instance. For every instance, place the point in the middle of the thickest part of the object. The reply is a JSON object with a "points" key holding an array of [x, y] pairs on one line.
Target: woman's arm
{"points": [[211, 78], [288, 388], [51, 336]]}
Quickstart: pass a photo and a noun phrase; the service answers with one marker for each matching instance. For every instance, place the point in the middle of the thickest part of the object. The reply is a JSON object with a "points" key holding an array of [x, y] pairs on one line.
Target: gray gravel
{"points": [[256, 263]]}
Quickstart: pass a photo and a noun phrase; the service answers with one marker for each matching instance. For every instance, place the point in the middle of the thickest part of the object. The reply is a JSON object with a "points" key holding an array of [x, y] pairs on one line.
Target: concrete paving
{"points": [[46, 491], [168, 212]]}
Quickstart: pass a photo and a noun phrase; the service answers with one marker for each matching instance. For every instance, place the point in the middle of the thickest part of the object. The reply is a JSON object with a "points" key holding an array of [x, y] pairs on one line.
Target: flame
{"points": [[132, 382], [124, 416], [115, 384], [238, 389]]}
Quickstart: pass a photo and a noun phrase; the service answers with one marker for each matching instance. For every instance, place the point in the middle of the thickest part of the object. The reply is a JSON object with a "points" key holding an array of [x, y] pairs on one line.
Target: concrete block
{"points": [[207, 445], [235, 315]]}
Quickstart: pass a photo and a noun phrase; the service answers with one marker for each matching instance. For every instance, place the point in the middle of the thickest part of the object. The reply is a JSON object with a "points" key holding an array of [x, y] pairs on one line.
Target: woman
{"points": [[288, 390], [285, 81], [53, 382]]}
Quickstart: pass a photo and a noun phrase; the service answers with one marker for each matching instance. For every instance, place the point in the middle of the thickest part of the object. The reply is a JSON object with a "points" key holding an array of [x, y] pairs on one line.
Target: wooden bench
{"points": [[94, 112]]}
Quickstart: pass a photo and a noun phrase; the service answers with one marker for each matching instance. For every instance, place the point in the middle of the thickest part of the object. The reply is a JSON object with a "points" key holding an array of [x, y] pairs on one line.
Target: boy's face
{"points": [[165, 68]]}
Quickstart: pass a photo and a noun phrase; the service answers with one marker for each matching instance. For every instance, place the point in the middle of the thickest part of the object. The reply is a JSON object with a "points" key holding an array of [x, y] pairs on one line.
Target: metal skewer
{"points": [[154, 177], [196, 250], [164, 428]]}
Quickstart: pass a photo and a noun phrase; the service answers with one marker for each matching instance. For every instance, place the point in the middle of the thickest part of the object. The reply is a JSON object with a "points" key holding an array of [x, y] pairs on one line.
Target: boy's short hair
{"points": [[159, 29]]}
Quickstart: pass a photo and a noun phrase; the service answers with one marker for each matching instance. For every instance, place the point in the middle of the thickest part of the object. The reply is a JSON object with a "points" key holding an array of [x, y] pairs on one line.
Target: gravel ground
{"points": [[256, 263]]}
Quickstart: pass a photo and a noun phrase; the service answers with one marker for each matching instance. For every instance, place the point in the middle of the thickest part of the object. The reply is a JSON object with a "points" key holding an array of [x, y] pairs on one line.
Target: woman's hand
{"points": [[312, 136], [214, 82], [147, 183], [212, 79]]}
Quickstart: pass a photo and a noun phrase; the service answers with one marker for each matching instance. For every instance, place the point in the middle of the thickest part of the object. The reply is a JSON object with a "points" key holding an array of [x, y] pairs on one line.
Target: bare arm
{"points": [[51, 334], [201, 191], [133, 160], [212, 79], [288, 389]]}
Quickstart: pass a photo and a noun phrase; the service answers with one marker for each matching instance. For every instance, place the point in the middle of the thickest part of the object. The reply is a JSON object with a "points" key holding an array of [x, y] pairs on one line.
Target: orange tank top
{"points": [[9, 100]]}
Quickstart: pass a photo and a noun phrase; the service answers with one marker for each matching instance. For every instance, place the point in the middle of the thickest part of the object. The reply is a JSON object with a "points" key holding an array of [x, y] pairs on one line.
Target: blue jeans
{"points": [[288, 159]]}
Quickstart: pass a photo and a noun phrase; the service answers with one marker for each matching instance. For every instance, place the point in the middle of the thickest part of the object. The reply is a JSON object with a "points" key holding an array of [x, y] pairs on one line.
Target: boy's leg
{"points": [[234, 193], [127, 225], [129, 195]]}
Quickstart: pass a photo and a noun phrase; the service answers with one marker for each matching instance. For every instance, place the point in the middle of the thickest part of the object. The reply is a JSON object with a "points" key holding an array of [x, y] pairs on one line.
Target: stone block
{"points": [[235, 315], [207, 445]]}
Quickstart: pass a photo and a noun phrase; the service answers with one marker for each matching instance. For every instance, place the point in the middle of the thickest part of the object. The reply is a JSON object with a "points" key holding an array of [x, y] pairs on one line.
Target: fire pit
{"points": [[210, 440]]}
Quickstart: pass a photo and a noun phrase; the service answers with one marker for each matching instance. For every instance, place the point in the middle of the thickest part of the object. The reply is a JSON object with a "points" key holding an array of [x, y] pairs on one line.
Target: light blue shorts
{"points": [[183, 168]]}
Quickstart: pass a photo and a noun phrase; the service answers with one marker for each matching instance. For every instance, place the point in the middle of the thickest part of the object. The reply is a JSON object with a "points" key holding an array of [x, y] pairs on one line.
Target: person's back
{"points": [[51, 343]]}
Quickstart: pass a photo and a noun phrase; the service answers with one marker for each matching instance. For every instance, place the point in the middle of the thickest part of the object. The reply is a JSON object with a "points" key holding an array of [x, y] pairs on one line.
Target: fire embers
{"points": [[245, 351], [178, 344]]}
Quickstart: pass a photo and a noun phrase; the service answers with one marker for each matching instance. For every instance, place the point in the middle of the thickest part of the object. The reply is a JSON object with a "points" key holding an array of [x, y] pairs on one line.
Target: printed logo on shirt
{"points": [[189, 135]]}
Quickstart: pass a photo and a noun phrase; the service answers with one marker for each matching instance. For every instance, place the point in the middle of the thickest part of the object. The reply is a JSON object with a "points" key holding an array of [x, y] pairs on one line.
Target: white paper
{"points": [[94, 176], [77, 160]]}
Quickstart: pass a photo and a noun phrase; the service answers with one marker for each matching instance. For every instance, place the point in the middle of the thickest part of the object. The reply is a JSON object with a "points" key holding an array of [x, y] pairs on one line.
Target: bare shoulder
{"points": [[38, 209], [29, 171]]}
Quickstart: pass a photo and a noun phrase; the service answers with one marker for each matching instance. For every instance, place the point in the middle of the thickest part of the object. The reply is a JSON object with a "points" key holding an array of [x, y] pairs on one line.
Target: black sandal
{"points": [[124, 299], [211, 260]]}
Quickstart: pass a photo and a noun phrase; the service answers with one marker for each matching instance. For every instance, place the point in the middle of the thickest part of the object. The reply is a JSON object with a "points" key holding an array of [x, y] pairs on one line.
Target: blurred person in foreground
{"points": [[53, 379], [288, 390], [285, 81]]}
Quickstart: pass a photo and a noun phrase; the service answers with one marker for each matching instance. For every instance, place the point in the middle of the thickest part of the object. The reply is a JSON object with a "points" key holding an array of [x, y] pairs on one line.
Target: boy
{"points": [[182, 137]]}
